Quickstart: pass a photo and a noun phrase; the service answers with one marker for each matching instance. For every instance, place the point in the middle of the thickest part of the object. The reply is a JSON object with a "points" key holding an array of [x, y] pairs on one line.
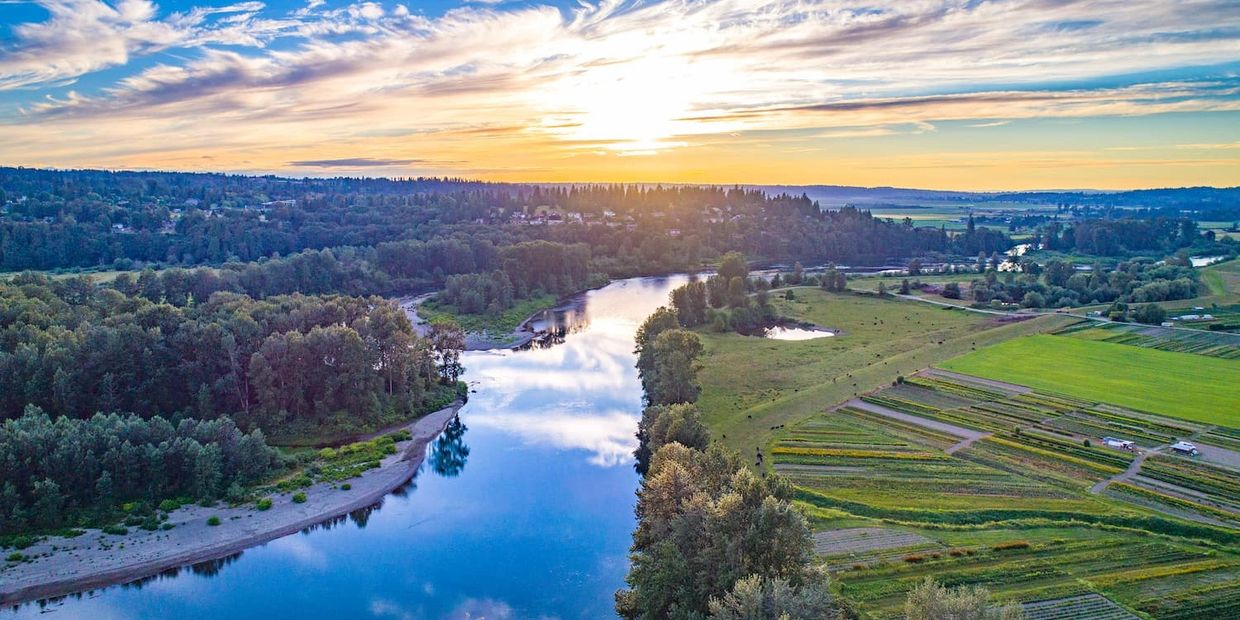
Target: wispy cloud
{"points": [[353, 162]]}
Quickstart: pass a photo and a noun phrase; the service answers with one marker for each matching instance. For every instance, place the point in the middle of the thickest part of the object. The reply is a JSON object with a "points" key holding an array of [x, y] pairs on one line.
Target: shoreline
{"points": [[80, 564], [474, 341]]}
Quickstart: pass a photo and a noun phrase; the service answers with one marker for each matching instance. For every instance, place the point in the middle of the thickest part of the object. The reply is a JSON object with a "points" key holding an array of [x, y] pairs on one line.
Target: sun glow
{"points": [[632, 108]]}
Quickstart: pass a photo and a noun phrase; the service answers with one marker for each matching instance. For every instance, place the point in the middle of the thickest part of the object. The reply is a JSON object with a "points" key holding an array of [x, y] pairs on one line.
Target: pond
{"points": [[1205, 261], [780, 332], [523, 510]]}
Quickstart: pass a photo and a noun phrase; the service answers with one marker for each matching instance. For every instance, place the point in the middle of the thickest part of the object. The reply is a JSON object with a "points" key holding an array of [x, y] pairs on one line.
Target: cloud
{"points": [[353, 162], [546, 85]]}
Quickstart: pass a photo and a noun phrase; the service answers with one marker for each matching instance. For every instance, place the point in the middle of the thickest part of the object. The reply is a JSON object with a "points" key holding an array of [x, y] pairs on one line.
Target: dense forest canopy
{"points": [[73, 347], [65, 219]]}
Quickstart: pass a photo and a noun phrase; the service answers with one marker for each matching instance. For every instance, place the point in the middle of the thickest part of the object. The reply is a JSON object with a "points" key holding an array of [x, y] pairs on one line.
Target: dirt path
{"points": [[94, 560], [970, 436], [1134, 468]]}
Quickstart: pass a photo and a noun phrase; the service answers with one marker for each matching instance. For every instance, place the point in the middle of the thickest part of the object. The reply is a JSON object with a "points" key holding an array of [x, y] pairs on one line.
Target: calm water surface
{"points": [[524, 511]]}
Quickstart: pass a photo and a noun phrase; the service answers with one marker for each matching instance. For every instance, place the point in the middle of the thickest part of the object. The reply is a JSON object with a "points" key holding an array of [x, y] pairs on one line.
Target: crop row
{"points": [[1216, 482], [955, 388], [1226, 346]]}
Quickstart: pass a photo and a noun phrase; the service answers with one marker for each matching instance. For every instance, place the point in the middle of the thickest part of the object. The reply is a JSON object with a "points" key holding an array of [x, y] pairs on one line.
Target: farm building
{"points": [[1183, 447], [1121, 444]]}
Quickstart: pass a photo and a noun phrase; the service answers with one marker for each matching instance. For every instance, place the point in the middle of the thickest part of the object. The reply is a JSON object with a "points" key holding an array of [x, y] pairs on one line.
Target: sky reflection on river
{"points": [[523, 511]]}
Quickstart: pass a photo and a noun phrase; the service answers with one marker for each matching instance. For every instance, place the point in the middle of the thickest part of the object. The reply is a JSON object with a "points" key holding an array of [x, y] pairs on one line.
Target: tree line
{"points": [[285, 364], [67, 471]]}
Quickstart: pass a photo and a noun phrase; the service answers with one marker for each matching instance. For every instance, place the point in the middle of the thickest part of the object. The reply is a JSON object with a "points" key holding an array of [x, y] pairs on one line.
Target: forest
{"points": [[126, 220], [317, 364], [61, 472]]}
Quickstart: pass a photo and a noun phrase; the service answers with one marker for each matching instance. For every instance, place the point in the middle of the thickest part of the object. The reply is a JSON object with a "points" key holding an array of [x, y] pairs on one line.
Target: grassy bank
{"points": [[750, 385], [493, 324]]}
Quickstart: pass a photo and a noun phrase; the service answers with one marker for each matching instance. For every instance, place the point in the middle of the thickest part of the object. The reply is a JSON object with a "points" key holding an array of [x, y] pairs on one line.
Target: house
{"points": [[1183, 447]]}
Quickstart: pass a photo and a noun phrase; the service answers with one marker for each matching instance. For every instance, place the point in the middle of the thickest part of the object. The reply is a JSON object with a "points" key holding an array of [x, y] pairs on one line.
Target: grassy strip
{"points": [[494, 324]]}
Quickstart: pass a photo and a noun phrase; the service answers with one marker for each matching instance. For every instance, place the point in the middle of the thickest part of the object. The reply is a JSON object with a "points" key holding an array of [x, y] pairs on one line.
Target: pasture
{"points": [[752, 384], [1181, 385]]}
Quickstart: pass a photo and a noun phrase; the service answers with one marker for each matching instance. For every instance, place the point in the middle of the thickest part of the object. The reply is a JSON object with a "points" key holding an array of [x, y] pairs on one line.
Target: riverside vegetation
{"points": [[715, 539]]}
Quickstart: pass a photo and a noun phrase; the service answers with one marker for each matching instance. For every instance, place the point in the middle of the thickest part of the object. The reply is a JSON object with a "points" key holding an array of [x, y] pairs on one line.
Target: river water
{"points": [[524, 510]]}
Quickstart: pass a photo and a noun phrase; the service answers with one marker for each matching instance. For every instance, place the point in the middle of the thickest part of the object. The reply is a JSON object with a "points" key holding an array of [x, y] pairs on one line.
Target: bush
{"points": [[914, 558], [166, 526], [346, 486], [21, 541], [169, 505], [115, 530], [15, 557], [213, 521], [299, 498], [150, 524], [263, 504], [1012, 544]]}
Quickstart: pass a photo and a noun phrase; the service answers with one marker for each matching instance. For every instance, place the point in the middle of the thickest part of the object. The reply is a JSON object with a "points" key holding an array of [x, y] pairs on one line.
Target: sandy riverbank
{"points": [[95, 560]]}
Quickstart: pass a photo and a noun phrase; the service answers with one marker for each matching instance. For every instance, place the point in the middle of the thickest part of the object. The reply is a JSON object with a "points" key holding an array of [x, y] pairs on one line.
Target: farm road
{"points": [[1134, 468], [970, 436]]}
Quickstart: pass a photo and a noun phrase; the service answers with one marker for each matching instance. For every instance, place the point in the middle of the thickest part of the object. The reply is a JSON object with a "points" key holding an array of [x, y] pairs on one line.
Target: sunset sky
{"points": [[915, 93]]}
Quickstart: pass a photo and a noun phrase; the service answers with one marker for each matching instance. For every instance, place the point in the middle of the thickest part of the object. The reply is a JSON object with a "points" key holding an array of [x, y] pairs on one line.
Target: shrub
{"points": [[21, 541], [169, 505], [263, 504], [1087, 443], [299, 498], [16, 557], [166, 526], [115, 530], [1011, 544], [346, 486], [133, 520], [955, 553], [914, 558], [150, 524], [213, 521]]}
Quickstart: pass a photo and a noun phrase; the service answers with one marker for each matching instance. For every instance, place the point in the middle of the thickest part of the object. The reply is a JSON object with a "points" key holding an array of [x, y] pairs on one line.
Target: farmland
{"points": [[1182, 385], [897, 496], [926, 441]]}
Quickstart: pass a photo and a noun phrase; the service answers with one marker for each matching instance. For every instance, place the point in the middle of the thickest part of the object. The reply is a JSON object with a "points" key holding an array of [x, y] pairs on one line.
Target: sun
{"points": [[631, 108]]}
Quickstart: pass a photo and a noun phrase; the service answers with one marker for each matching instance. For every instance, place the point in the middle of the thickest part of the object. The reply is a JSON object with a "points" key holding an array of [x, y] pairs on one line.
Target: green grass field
{"points": [[1181, 385], [752, 384]]}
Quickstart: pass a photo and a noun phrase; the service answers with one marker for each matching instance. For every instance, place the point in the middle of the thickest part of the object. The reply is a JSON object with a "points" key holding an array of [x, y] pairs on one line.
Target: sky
{"points": [[962, 94]]}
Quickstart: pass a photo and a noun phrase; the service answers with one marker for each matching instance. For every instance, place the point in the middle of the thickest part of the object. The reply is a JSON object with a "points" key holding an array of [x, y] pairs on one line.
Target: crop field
{"points": [[1091, 606], [1214, 344], [1015, 511], [867, 545], [1182, 385], [753, 384]]}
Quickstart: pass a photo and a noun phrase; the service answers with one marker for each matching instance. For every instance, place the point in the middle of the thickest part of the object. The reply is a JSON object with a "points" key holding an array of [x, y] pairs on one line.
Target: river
{"points": [[524, 510]]}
